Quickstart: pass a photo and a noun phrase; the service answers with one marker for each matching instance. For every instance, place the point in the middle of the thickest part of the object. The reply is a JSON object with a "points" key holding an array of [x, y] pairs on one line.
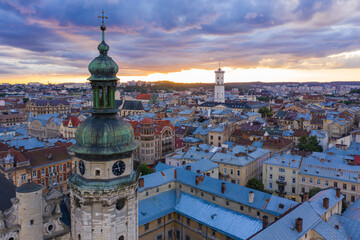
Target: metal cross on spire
{"points": [[102, 17], [103, 27]]}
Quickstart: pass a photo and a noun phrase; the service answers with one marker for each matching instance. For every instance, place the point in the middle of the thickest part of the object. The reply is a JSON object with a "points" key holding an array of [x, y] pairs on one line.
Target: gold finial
{"points": [[102, 17]]}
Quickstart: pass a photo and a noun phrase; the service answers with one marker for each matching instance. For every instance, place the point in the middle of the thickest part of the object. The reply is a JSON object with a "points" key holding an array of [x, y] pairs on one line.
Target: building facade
{"points": [[38, 107], [156, 138]]}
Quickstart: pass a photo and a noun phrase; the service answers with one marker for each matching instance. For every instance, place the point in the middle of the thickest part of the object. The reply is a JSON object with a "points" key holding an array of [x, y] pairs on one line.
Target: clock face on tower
{"points": [[118, 168], [81, 167]]}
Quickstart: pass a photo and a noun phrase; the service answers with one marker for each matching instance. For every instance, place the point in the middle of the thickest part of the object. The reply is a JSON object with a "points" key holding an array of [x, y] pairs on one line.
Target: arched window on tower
{"points": [[101, 97]]}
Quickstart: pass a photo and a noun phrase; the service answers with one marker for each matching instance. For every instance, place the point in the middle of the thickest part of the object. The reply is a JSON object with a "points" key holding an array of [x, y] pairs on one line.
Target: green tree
{"points": [[266, 112], [314, 191], [256, 184], [154, 99], [144, 169], [309, 144]]}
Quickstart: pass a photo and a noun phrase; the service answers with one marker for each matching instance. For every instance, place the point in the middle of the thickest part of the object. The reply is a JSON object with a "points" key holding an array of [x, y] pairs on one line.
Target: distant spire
{"points": [[103, 27]]}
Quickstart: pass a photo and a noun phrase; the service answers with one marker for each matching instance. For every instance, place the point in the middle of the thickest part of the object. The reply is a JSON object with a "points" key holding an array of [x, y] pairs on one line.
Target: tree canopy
{"points": [[266, 112], [256, 184], [144, 169], [314, 191], [309, 144]]}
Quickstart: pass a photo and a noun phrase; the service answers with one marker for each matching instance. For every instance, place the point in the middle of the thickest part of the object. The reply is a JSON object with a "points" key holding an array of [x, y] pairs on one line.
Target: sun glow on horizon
{"points": [[259, 74]]}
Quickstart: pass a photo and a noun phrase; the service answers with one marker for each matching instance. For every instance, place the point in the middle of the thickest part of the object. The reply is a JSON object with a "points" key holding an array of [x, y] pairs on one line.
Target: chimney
{"points": [[223, 187], [251, 197], [305, 196], [141, 182], [197, 180], [338, 192], [188, 168], [265, 221], [298, 224], [198, 171], [326, 203], [175, 174]]}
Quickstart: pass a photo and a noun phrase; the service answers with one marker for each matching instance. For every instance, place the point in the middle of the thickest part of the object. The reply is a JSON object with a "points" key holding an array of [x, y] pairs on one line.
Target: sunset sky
{"points": [[182, 40]]}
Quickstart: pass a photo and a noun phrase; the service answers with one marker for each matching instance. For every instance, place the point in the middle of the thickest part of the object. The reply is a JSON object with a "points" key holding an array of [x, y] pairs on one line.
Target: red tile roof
{"points": [[158, 125], [74, 120], [144, 96]]}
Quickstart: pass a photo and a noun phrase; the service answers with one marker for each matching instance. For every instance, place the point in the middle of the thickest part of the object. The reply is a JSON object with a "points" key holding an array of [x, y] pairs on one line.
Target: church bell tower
{"points": [[103, 190], [219, 86]]}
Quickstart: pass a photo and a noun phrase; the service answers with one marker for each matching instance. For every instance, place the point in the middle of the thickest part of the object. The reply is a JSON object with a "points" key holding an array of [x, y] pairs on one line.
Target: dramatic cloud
{"points": [[60, 37]]}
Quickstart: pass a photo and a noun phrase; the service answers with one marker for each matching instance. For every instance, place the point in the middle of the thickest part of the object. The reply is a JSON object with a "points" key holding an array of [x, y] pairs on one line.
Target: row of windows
{"points": [[51, 169], [282, 170], [232, 172], [326, 183]]}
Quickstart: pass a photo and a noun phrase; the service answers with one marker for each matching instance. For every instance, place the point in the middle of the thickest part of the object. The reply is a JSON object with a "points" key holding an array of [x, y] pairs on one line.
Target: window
{"points": [[188, 221], [34, 174], [187, 237], [61, 178], [270, 185], [242, 208], [281, 178], [68, 165], [224, 170], [293, 172], [281, 170], [353, 188], [178, 216], [170, 235], [200, 226], [352, 198], [270, 176], [50, 181], [293, 190], [61, 167], [31, 222], [213, 233], [326, 183], [219, 138], [49, 169], [43, 183], [159, 220], [258, 213], [344, 186], [335, 184], [231, 171], [54, 168], [303, 179], [211, 137], [271, 168], [213, 198], [202, 194], [159, 237], [169, 216], [310, 180], [318, 182], [157, 190], [169, 186], [227, 203], [238, 182], [23, 177], [293, 180], [43, 172], [146, 226], [238, 172], [344, 197]]}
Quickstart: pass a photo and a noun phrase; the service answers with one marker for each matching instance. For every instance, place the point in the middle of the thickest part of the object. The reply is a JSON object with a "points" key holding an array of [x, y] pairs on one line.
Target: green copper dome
{"points": [[103, 67], [104, 135]]}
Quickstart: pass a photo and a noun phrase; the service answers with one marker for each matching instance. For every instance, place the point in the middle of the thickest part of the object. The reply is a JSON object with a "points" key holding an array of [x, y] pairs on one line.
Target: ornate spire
{"points": [[103, 27], [103, 76]]}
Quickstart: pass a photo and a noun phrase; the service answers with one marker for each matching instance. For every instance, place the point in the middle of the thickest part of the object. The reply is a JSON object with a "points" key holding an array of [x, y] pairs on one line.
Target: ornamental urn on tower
{"points": [[103, 190]]}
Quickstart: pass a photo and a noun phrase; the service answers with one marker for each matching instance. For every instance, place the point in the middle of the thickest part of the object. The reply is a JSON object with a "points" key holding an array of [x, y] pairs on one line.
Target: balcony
{"points": [[281, 182], [280, 192]]}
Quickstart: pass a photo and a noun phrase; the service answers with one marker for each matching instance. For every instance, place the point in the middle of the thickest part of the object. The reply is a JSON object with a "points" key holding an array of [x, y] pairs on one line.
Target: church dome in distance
{"points": [[147, 121]]}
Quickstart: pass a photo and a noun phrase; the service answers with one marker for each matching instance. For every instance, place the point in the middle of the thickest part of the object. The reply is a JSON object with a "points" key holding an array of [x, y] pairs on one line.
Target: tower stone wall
{"points": [[30, 210]]}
